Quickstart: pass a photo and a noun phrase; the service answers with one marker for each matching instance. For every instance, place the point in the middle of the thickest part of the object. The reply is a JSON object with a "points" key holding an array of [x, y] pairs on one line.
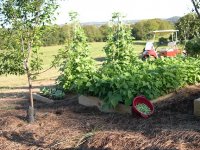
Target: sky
{"points": [[101, 10]]}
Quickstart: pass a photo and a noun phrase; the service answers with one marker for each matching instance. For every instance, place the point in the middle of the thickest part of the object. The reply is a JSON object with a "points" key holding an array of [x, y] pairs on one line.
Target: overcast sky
{"points": [[101, 10]]}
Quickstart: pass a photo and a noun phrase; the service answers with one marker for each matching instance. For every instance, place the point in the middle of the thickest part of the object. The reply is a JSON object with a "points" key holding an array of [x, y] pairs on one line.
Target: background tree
{"points": [[93, 33], [188, 26], [141, 29], [104, 31], [24, 22]]}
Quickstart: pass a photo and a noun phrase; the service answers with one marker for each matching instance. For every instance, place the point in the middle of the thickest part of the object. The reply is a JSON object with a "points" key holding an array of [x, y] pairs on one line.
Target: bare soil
{"points": [[67, 125]]}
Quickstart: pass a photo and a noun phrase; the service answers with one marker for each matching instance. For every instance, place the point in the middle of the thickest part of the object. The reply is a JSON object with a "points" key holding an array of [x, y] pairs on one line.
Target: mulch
{"points": [[68, 125]]}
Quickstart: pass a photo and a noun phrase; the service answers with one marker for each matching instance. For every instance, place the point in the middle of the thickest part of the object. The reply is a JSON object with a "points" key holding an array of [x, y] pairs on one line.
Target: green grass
{"points": [[47, 57]]}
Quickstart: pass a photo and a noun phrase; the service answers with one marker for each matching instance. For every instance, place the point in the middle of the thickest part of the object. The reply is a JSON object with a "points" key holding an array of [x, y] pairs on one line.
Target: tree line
{"points": [[58, 35], [188, 26]]}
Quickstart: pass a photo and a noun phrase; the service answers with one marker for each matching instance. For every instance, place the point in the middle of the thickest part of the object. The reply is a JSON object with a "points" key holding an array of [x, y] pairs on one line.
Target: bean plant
{"points": [[75, 64], [119, 45], [121, 83], [123, 76]]}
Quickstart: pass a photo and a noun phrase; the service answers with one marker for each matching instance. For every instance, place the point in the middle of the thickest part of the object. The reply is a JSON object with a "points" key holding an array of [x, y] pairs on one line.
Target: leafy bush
{"points": [[120, 83], [193, 47]]}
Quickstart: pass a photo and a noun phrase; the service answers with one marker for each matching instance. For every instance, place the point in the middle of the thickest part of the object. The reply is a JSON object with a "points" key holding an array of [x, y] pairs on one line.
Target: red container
{"points": [[142, 100]]}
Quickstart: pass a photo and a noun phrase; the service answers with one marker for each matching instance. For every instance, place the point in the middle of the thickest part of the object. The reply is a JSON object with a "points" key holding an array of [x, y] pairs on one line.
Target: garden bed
{"points": [[91, 101], [68, 125]]}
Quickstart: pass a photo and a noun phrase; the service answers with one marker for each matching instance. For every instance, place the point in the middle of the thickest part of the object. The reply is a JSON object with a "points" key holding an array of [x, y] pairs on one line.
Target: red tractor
{"points": [[170, 51]]}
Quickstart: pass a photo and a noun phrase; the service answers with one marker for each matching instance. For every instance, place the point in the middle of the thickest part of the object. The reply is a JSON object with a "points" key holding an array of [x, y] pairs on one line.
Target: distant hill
{"points": [[173, 19], [101, 23]]}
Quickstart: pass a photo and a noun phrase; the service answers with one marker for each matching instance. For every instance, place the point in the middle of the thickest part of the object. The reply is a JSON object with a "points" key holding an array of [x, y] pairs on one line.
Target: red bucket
{"points": [[142, 100]]}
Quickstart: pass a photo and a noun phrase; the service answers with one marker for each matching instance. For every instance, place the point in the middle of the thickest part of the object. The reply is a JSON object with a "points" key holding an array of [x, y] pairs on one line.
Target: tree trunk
{"points": [[30, 112]]}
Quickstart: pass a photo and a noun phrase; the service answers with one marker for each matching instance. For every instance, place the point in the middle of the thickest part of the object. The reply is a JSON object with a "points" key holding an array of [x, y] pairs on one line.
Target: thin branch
{"points": [[42, 71], [195, 7]]}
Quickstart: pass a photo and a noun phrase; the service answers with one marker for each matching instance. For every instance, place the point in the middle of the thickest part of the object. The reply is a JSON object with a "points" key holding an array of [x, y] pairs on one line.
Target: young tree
{"points": [[24, 22]]}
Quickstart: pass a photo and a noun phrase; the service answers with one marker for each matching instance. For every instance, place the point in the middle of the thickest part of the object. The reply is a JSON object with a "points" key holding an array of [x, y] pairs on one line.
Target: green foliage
{"points": [[116, 83], [123, 76], [76, 66], [53, 93], [11, 62], [188, 26], [193, 47], [93, 33], [119, 45], [141, 29], [23, 27]]}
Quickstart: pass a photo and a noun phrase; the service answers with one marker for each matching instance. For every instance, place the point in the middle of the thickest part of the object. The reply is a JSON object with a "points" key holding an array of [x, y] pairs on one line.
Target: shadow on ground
{"points": [[100, 59]]}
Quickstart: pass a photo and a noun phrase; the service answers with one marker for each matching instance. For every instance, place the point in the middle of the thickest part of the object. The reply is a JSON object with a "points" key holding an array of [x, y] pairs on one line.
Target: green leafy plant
{"points": [[116, 83], [119, 44], [45, 91], [143, 108], [53, 93], [75, 64]]}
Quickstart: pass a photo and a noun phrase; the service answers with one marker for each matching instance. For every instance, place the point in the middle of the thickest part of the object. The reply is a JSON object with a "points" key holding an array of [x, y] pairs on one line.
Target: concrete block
{"points": [[197, 107], [91, 101], [40, 98]]}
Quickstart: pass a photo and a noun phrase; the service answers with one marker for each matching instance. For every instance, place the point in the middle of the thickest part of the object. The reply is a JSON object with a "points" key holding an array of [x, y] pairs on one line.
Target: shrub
{"points": [[193, 47]]}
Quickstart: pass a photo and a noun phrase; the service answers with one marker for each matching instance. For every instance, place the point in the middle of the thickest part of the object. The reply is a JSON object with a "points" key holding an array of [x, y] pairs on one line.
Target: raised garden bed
{"points": [[91, 101]]}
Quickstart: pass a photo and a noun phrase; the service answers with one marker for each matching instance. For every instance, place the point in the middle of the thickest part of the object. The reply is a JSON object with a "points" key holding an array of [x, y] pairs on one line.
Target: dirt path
{"points": [[68, 125]]}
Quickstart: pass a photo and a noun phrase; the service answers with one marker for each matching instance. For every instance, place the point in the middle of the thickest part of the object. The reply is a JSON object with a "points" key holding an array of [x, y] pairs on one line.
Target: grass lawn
{"points": [[96, 49]]}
